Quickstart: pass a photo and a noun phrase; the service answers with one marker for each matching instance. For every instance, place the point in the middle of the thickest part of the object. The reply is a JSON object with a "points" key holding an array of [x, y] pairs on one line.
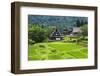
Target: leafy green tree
{"points": [[36, 33], [49, 30], [78, 23], [84, 30], [65, 31]]}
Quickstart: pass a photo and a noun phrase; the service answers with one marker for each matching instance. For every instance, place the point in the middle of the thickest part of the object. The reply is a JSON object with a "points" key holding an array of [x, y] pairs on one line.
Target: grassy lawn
{"points": [[56, 50]]}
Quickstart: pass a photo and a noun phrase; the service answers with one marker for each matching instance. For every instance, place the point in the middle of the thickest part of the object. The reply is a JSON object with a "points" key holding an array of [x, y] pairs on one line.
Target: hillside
{"points": [[59, 21]]}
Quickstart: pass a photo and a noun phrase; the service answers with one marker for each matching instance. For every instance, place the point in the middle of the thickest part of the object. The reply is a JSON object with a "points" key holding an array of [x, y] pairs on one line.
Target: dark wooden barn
{"points": [[56, 35]]}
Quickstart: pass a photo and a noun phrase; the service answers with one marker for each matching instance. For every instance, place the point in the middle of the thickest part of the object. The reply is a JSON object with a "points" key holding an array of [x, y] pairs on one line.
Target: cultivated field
{"points": [[56, 50]]}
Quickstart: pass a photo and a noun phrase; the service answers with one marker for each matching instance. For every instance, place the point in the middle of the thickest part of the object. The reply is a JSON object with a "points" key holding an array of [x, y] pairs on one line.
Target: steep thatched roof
{"points": [[56, 33], [76, 29]]}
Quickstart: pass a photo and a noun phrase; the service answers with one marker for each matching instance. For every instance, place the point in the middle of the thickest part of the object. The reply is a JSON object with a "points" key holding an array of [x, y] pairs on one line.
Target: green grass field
{"points": [[56, 50]]}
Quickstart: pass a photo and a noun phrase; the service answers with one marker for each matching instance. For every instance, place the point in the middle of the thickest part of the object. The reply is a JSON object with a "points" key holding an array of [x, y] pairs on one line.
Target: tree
{"points": [[65, 31], [78, 23], [49, 30], [36, 33], [84, 30]]}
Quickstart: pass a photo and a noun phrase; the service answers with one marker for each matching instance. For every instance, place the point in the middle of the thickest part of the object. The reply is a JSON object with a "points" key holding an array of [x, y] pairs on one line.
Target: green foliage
{"points": [[49, 30], [65, 31], [84, 29], [80, 23], [30, 41], [41, 46], [36, 33], [57, 21], [56, 50]]}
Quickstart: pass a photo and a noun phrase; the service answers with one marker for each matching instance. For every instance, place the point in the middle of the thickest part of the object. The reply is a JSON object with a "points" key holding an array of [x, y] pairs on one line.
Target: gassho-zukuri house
{"points": [[56, 35], [76, 31]]}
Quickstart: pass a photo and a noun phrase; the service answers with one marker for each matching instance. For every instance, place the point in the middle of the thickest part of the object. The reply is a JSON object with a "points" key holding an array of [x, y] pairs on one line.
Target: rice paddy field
{"points": [[56, 50]]}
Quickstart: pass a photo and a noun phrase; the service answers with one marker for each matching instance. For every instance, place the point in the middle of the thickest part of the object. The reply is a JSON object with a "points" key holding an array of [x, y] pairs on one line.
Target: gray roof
{"points": [[76, 29]]}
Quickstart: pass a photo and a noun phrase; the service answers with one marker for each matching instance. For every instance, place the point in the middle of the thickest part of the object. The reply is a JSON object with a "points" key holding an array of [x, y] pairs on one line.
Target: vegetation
{"points": [[39, 31], [84, 30], [56, 50], [65, 49]]}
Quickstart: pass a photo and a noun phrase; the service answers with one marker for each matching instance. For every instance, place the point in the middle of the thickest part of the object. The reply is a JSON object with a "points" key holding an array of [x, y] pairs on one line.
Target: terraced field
{"points": [[56, 50]]}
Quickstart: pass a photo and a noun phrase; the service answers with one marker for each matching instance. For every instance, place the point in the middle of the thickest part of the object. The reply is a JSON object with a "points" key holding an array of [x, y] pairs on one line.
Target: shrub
{"points": [[42, 46], [31, 41], [53, 50]]}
